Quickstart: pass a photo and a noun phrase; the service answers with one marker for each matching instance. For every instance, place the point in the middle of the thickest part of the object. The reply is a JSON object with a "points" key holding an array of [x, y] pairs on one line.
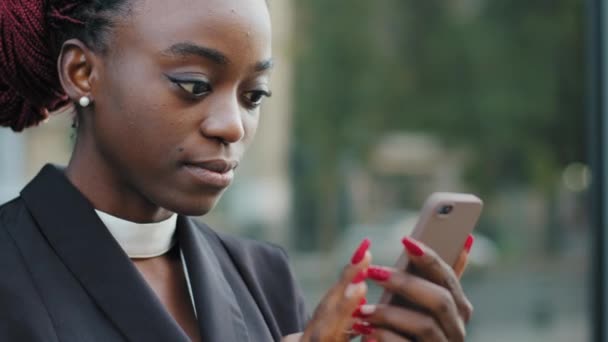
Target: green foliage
{"points": [[503, 78]]}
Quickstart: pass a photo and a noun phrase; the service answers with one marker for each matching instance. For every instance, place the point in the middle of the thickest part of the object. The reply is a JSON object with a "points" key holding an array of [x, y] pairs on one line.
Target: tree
{"points": [[505, 80]]}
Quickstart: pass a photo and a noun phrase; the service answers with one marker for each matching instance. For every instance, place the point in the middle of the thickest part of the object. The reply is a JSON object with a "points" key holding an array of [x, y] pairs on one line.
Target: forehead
{"points": [[220, 24]]}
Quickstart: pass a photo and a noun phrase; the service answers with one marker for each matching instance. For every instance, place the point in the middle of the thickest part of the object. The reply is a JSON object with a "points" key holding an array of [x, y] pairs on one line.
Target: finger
{"points": [[352, 284], [344, 319], [403, 321], [461, 263], [333, 319], [430, 266], [426, 296], [359, 262], [351, 300], [333, 316], [384, 335], [354, 272]]}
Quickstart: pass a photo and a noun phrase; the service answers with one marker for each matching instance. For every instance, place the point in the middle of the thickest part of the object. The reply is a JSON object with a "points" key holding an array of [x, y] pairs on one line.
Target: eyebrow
{"points": [[264, 65], [186, 49]]}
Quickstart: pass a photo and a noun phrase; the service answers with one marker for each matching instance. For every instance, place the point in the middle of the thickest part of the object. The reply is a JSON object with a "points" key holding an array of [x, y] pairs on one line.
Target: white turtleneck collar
{"points": [[141, 240]]}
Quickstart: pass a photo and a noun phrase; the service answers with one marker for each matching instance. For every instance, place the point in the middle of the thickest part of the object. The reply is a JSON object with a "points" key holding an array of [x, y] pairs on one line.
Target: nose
{"points": [[223, 122]]}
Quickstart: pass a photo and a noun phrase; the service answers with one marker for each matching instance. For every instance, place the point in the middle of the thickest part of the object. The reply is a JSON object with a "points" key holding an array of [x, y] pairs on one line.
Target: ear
{"points": [[76, 65]]}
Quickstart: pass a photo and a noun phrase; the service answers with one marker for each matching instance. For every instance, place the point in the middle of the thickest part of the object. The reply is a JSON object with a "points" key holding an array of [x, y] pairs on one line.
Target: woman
{"points": [[167, 99]]}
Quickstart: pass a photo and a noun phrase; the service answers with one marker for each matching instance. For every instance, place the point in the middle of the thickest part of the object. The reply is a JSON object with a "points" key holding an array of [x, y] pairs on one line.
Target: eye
{"points": [[255, 97], [196, 88]]}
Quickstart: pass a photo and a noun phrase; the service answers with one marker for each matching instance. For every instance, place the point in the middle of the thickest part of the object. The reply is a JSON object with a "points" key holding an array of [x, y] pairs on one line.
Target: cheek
{"points": [[136, 121], [250, 123]]}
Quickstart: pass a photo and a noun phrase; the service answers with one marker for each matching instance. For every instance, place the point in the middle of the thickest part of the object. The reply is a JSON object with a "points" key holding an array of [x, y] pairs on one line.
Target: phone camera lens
{"points": [[445, 209]]}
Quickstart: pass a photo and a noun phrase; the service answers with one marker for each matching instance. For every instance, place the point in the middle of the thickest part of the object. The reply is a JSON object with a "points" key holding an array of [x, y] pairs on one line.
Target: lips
{"points": [[219, 166], [214, 173]]}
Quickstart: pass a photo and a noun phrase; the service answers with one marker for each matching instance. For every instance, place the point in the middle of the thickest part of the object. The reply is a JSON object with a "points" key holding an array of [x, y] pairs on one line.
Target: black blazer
{"points": [[63, 277]]}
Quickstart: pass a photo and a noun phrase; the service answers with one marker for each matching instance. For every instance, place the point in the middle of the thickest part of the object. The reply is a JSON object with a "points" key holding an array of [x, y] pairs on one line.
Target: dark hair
{"points": [[31, 35]]}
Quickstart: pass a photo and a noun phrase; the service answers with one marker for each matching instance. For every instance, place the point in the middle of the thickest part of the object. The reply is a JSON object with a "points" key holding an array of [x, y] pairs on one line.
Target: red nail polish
{"points": [[378, 273], [469, 243], [412, 247], [363, 301], [358, 313], [361, 276], [362, 328], [360, 252]]}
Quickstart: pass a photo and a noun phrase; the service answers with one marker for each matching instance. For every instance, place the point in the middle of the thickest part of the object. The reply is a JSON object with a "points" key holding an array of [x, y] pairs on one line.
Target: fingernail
{"points": [[412, 247], [378, 273], [363, 328], [360, 252], [364, 311], [368, 309], [361, 276], [469, 243], [352, 289], [363, 301]]}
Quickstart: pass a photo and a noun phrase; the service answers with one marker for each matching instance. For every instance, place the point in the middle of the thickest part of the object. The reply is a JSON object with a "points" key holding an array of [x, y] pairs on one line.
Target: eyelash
{"points": [[189, 86], [261, 94]]}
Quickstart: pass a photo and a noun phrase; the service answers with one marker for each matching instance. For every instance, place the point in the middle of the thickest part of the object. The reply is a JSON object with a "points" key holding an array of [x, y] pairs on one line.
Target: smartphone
{"points": [[445, 222]]}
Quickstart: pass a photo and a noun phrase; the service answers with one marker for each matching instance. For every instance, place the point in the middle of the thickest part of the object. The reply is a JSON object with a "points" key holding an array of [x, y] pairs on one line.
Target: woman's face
{"points": [[177, 97]]}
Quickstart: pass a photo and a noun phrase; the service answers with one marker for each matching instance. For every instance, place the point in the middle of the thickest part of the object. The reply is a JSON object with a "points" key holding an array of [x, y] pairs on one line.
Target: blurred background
{"points": [[379, 103]]}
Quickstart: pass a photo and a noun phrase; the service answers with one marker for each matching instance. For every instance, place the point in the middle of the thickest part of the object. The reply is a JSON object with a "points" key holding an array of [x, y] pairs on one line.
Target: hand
{"points": [[439, 308], [333, 320]]}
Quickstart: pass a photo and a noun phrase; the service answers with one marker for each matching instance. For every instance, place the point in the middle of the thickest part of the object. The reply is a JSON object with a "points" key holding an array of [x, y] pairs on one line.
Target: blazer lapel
{"points": [[68, 221], [219, 315]]}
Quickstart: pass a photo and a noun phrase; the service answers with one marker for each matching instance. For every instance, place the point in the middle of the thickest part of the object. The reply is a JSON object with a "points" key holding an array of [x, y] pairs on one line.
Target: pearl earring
{"points": [[84, 101]]}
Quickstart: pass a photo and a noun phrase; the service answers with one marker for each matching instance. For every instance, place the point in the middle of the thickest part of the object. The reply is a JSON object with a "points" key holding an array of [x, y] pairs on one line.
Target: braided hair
{"points": [[32, 33]]}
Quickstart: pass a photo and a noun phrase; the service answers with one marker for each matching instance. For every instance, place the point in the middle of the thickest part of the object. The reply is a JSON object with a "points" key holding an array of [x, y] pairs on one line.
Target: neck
{"points": [[106, 188]]}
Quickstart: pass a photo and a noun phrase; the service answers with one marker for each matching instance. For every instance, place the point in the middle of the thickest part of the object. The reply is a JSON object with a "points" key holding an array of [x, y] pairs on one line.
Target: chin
{"points": [[195, 211], [194, 206]]}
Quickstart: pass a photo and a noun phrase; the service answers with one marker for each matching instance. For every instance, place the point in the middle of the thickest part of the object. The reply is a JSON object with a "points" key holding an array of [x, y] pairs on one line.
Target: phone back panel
{"points": [[445, 233]]}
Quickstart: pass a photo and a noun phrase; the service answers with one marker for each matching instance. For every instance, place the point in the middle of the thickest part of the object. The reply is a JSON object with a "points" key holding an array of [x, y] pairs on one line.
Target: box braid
{"points": [[31, 35]]}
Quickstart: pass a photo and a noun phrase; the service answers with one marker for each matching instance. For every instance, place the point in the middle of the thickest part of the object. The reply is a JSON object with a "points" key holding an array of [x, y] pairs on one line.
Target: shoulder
{"points": [[25, 317], [256, 252], [14, 217], [265, 267], [252, 253], [266, 262], [11, 217], [10, 212]]}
